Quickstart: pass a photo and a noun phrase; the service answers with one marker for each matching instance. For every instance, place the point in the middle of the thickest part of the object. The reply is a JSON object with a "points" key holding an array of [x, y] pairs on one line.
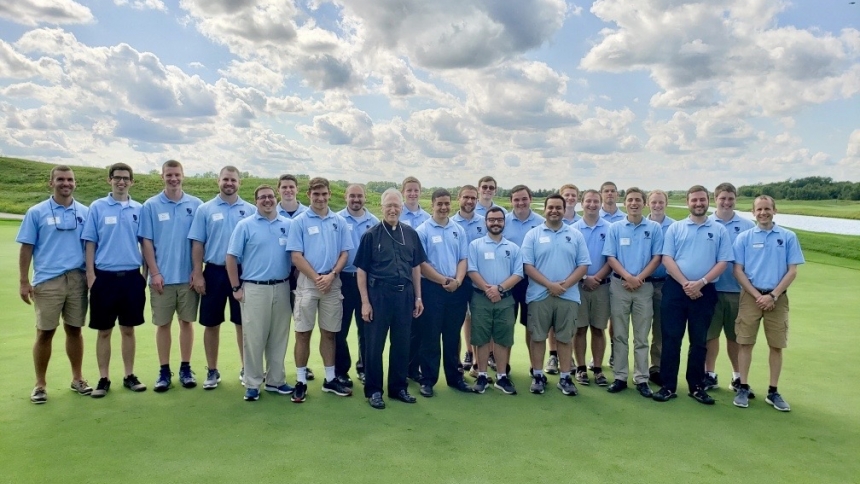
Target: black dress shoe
{"points": [[404, 397], [426, 391], [644, 389], [617, 386], [702, 396], [463, 387], [376, 401], [655, 378]]}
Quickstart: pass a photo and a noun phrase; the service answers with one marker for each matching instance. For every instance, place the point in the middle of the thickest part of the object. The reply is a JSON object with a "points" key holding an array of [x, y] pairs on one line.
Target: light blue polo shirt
{"points": [[727, 282], [576, 218], [480, 210], [475, 228], [633, 245], [320, 239], [113, 227], [413, 219], [555, 255], [697, 248], [613, 217], [54, 231], [594, 237], [445, 245], [356, 227], [494, 261], [661, 269], [283, 213], [260, 245], [213, 224], [167, 223], [516, 230], [766, 255]]}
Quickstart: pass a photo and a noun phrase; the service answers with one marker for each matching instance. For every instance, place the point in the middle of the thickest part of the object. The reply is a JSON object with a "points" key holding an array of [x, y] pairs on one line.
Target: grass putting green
{"points": [[214, 436]]}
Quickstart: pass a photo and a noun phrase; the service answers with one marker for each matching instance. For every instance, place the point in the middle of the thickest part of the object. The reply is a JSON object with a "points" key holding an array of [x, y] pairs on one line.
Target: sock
{"points": [[166, 367], [581, 368], [745, 386], [302, 375], [771, 389], [537, 373], [553, 353], [499, 376], [736, 375], [482, 373], [597, 370], [712, 374], [564, 375], [329, 373]]}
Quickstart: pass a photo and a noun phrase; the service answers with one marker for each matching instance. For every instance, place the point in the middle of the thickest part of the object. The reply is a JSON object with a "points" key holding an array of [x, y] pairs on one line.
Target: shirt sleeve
{"points": [[582, 256], [738, 248], [296, 236], [91, 232], [795, 255], [669, 240], [464, 243], [419, 256], [146, 230], [528, 249], [363, 257], [237, 241], [198, 226], [472, 258], [28, 233], [517, 260], [345, 237], [725, 254], [610, 247], [656, 240]]}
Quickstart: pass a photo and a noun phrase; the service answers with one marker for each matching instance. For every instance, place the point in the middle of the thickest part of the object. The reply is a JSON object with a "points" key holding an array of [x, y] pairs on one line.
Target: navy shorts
{"points": [[218, 293], [117, 296]]}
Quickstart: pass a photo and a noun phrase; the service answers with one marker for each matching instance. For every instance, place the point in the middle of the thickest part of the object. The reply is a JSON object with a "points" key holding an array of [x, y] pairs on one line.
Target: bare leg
{"points": [[579, 345], [502, 355], [103, 351], [163, 341], [129, 346], [74, 350], [538, 350], [564, 359], [744, 361], [482, 355], [240, 342], [42, 354], [211, 340], [186, 339], [598, 345], [713, 352], [775, 360], [732, 350], [302, 350], [326, 347]]}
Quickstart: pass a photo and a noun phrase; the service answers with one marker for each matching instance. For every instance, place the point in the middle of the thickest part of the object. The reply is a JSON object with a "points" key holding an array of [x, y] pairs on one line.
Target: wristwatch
{"points": [[773, 296], [236, 288]]}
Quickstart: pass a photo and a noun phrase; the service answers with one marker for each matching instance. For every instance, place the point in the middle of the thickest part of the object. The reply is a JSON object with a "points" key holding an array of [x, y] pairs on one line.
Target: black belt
{"points": [[324, 273], [102, 273], [647, 279], [270, 282], [349, 274], [503, 294], [764, 292], [372, 282]]}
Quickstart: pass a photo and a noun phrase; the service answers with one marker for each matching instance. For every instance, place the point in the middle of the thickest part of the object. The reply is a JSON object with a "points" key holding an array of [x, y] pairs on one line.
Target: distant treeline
{"points": [[810, 188]]}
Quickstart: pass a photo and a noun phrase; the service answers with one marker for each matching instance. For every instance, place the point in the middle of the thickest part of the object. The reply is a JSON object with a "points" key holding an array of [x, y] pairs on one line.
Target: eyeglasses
{"points": [[62, 223], [121, 178], [495, 220], [266, 197], [469, 198], [487, 187]]}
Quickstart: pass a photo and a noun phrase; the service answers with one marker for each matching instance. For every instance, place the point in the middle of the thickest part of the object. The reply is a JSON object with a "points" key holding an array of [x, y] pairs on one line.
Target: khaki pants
{"points": [[627, 306], [266, 317]]}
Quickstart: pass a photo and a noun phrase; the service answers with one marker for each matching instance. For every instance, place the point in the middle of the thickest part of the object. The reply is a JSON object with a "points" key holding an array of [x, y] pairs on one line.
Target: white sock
{"points": [[712, 374], [736, 375], [302, 375], [499, 376], [482, 373], [564, 375], [537, 372], [329, 373]]}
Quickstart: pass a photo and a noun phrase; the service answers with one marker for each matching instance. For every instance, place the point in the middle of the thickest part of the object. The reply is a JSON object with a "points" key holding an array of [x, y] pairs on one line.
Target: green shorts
{"points": [[552, 312], [492, 321]]}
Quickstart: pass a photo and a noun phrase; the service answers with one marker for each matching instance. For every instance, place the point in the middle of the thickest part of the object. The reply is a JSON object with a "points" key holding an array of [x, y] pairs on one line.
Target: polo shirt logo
{"points": [[367, 226], [567, 237], [647, 234], [710, 235], [334, 225], [507, 253], [242, 213], [188, 211], [134, 217], [283, 230], [737, 229], [779, 242], [602, 236], [479, 229], [455, 235], [80, 220]]}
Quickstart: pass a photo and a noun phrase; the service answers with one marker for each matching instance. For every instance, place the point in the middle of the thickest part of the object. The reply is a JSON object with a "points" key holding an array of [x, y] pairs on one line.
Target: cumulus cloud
{"points": [[142, 4], [35, 12]]}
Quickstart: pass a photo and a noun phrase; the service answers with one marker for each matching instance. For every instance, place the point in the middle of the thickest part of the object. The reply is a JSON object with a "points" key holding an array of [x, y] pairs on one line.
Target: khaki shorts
{"points": [[176, 299], [64, 295], [775, 321], [552, 312], [492, 321], [594, 309], [725, 313], [310, 301]]}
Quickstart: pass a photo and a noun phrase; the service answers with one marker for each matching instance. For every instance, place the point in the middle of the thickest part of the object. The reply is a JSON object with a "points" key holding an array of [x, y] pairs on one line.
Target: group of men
{"points": [[416, 278]]}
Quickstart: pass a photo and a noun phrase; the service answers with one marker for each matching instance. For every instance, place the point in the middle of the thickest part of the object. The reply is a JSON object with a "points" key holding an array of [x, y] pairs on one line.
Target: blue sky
{"points": [[654, 93]]}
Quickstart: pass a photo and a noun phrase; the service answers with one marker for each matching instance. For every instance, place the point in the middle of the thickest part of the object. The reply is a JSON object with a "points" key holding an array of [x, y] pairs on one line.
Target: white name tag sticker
{"points": [[217, 216], [110, 220], [436, 239], [350, 227], [282, 240], [758, 245], [406, 222], [543, 240], [489, 255], [53, 220], [313, 230], [162, 217], [624, 241]]}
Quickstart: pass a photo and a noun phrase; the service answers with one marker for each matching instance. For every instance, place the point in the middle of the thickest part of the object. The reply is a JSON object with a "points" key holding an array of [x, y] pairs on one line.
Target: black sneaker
{"points": [[468, 360], [101, 389], [133, 383], [664, 395], [710, 382], [736, 386], [644, 389], [310, 375], [481, 384], [186, 377], [505, 385], [702, 396], [345, 380], [617, 386], [336, 387], [300, 392], [567, 386]]}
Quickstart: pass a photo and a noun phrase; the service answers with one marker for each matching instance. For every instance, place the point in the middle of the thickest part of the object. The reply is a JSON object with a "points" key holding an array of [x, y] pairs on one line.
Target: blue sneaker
{"points": [[284, 389], [186, 377], [213, 378], [252, 395], [163, 382]]}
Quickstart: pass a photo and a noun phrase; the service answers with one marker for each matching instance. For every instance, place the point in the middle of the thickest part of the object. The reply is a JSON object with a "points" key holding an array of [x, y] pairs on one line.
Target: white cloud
{"points": [[142, 4], [35, 12]]}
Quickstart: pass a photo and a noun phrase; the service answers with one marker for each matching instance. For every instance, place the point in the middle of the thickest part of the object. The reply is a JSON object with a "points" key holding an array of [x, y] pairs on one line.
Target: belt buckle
{"points": [[400, 287]]}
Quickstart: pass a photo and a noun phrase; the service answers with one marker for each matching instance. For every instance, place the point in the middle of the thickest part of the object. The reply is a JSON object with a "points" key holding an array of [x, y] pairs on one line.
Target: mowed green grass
{"points": [[214, 436]]}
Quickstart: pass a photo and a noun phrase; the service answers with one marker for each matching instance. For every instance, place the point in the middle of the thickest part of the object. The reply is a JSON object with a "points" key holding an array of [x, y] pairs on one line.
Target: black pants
{"points": [[392, 310], [521, 308], [678, 311], [443, 317], [351, 306]]}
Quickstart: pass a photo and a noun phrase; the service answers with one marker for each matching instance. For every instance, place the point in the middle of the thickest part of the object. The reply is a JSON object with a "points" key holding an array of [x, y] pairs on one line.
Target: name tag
{"points": [[758, 245], [53, 220], [624, 241], [313, 230], [489, 255], [543, 240], [436, 239], [163, 217], [406, 222], [282, 240], [217, 216], [350, 227], [110, 220]]}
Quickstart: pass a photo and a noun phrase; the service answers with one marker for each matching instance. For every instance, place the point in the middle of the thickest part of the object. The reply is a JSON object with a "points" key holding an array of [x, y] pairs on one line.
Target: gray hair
{"points": [[392, 192]]}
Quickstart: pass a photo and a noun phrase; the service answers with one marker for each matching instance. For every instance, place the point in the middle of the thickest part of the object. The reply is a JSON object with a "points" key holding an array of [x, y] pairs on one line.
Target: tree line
{"points": [[809, 188]]}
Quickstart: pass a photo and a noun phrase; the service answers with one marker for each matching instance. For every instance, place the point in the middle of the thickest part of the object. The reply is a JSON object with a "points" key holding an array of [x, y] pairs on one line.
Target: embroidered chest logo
{"points": [[737, 229], [241, 213], [647, 234], [455, 235], [710, 235], [283, 230], [507, 253], [334, 225], [567, 237], [779, 242], [602, 236], [134, 217], [188, 211], [479, 229]]}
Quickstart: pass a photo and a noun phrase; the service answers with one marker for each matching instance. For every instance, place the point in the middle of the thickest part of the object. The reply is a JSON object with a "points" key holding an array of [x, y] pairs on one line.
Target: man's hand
{"points": [[366, 312], [198, 284], [91, 279], [590, 283], [632, 283], [556, 289], [765, 302], [492, 293], [26, 292], [324, 283], [239, 295], [157, 283], [419, 308], [451, 285]]}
